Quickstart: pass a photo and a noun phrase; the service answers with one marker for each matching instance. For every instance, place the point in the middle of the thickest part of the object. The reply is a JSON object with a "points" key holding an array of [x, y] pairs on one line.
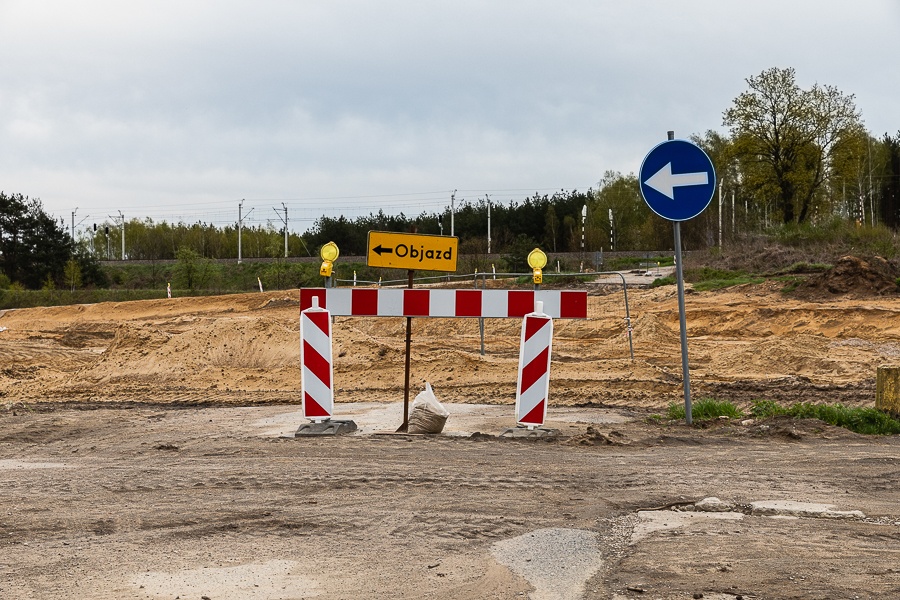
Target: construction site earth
{"points": [[147, 451]]}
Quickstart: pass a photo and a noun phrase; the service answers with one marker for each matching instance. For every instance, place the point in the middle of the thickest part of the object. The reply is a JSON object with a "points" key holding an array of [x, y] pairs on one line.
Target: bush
{"points": [[661, 281]]}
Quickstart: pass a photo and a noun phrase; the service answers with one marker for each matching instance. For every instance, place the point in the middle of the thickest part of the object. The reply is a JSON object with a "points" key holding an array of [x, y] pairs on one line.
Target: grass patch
{"points": [[868, 421], [718, 284], [707, 279], [790, 282], [705, 409], [661, 281], [803, 268]]}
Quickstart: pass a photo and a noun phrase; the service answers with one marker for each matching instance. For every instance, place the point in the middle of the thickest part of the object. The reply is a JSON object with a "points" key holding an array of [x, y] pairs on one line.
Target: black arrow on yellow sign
{"points": [[379, 249]]}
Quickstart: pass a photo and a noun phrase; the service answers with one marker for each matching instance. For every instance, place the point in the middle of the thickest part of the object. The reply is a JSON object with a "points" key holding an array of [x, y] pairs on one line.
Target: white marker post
{"points": [[317, 372], [533, 385]]}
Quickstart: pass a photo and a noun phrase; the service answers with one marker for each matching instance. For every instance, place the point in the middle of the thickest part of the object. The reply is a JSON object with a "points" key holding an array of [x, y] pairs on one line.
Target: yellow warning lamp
{"points": [[537, 260], [329, 253]]}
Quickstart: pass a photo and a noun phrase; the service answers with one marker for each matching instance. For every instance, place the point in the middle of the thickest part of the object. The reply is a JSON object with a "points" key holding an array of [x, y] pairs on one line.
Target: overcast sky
{"points": [[177, 110]]}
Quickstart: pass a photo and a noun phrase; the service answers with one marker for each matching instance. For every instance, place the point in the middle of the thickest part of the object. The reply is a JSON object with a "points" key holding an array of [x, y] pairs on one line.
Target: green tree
{"points": [[890, 187], [73, 273], [188, 267], [33, 245], [620, 195], [551, 227], [785, 137]]}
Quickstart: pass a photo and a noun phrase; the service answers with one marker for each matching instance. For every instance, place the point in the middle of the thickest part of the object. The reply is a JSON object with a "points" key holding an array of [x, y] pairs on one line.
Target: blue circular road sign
{"points": [[677, 180]]}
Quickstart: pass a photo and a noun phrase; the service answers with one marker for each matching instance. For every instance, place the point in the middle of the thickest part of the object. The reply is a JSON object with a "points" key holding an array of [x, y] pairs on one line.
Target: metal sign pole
{"points": [[679, 276], [678, 181]]}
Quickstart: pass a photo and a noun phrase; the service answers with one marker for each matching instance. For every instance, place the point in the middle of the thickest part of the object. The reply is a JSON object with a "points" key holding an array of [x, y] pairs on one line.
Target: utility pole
{"points": [[452, 212], [285, 221], [121, 218], [720, 214], [283, 205], [612, 232], [241, 226], [489, 222], [584, 224], [74, 225]]}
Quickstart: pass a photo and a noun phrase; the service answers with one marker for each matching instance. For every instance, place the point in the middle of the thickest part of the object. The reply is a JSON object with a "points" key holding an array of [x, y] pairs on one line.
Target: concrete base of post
{"points": [[887, 389], [526, 433], [329, 427]]}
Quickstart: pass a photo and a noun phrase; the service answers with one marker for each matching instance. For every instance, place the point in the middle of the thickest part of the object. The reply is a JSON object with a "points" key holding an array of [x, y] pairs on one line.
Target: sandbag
{"points": [[427, 414]]}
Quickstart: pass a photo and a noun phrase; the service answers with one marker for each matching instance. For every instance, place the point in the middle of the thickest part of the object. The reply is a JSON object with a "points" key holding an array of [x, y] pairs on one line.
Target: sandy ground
{"points": [[146, 452]]}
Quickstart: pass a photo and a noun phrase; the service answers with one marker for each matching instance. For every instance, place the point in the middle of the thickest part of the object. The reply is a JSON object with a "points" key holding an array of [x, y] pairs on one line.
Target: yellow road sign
{"points": [[412, 251]]}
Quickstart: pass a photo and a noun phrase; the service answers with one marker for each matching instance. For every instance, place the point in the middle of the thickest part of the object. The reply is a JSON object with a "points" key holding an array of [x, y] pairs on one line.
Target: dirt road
{"points": [[208, 502]]}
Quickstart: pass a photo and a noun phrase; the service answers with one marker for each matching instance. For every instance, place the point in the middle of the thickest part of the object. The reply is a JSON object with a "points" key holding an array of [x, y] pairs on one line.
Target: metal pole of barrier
{"points": [[481, 319], [627, 317], [405, 425]]}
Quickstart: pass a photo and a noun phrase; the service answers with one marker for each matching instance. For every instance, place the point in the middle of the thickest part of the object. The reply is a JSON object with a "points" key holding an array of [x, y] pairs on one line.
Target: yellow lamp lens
{"points": [[329, 252], [537, 259]]}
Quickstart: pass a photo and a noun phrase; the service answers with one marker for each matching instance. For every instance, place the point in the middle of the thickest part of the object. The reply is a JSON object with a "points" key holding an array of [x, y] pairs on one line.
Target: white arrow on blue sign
{"points": [[677, 180]]}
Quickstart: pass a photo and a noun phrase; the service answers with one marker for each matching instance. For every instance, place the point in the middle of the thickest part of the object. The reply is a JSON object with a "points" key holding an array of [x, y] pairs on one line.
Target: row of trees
{"points": [[791, 157], [148, 240]]}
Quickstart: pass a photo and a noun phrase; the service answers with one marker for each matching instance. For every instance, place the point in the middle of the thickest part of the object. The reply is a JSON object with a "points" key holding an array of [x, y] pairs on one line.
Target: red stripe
{"points": [[519, 303], [320, 320], [534, 325], [311, 408], [534, 370], [573, 305], [416, 303], [317, 364], [468, 303], [535, 415], [307, 294], [364, 302]]}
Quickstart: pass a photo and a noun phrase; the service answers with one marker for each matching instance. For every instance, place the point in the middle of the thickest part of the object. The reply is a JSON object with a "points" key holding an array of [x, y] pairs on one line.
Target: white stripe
{"points": [[530, 398], [390, 303], [540, 340], [339, 300], [442, 305], [494, 303], [312, 385], [316, 338], [552, 300]]}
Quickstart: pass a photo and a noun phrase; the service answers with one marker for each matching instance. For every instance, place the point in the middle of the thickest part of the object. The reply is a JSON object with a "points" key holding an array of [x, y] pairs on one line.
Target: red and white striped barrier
{"points": [[533, 385], [378, 302], [317, 369]]}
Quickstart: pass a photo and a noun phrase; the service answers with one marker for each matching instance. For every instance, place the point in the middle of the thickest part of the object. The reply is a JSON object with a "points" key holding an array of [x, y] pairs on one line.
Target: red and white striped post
{"points": [[533, 384], [317, 368]]}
